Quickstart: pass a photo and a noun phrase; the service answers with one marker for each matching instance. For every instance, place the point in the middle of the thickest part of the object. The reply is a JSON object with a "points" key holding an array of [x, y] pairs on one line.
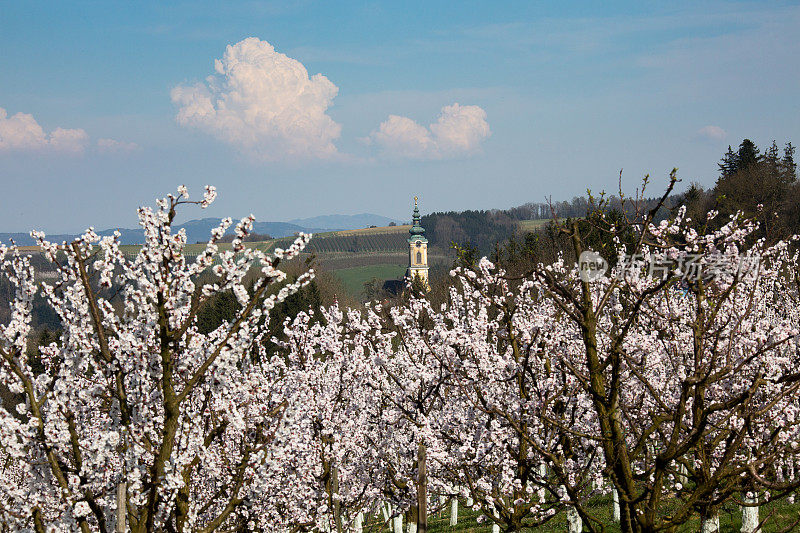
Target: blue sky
{"points": [[553, 98]]}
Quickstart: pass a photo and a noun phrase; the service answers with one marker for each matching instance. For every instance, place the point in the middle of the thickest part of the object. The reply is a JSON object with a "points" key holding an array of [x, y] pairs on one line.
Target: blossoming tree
{"points": [[520, 429], [688, 358], [138, 420]]}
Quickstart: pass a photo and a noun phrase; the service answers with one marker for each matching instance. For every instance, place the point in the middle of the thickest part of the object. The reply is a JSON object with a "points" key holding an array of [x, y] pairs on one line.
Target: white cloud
{"points": [[459, 131], [263, 103], [21, 132], [715, 133], [112, 146]]}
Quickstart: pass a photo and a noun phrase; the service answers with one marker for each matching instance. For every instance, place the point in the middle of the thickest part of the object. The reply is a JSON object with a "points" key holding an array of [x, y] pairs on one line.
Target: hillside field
{"points": [[532, 225], [354, 256], [354, 278]]}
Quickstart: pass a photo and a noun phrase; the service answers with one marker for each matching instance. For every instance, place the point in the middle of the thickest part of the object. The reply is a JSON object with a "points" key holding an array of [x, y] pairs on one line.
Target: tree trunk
{"points": [[750, 515], [615, 498], [454, 511], [358, 523], [682, 479], [337, 504], [422, 489], [574, 522], [710, 523], [412, 517], [398, 523], [386, 509], [122, 499], [543, 474]]}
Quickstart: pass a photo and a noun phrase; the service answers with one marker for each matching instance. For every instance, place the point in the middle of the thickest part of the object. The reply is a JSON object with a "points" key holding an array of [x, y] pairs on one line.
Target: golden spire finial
{"points": [[415, 201]]}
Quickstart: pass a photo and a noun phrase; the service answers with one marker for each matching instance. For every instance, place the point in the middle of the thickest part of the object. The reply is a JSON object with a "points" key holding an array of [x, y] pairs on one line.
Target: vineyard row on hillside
{"points": [[379, 242]]}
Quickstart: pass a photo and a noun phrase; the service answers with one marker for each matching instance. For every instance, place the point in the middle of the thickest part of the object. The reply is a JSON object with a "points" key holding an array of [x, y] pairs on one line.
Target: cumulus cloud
{"points": [[459, 131], [21, 132], [112, 146], [715, 133], [263, 103]]}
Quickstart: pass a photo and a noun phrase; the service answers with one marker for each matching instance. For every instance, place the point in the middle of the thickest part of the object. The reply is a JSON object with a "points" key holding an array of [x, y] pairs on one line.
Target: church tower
{"points": [[417, 250]]}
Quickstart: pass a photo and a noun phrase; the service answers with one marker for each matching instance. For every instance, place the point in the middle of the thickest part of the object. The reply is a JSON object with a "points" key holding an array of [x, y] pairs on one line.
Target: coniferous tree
{"points": [[729, 162], [748, 154], [788, 166]]}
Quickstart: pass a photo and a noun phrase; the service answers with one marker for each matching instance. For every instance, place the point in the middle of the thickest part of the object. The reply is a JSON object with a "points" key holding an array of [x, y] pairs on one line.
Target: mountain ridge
{"points": [[344, 222], [199, 230]]}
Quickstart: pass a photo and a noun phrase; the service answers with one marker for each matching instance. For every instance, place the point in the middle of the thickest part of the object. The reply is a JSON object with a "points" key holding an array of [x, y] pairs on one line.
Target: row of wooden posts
{"points": [[750, 518]]}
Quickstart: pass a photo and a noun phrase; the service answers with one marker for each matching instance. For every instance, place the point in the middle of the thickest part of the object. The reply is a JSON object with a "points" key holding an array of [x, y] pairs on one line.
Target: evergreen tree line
{"points": [[479, 229], [760, 185]]}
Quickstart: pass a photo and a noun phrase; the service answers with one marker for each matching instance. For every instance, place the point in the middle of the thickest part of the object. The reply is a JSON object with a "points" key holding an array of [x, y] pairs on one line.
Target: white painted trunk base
{"points": [[574, 522], [682, 479], [398, 524], [750, 517], [411, 527], [543, 474], [454, 511], [358, 523], [710, 524], [615, 497]]}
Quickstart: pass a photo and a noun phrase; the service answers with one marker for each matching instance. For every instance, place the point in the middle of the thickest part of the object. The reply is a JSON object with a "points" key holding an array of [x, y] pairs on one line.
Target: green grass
{"points": [[532, 225], [783, 515], [354, 278]]}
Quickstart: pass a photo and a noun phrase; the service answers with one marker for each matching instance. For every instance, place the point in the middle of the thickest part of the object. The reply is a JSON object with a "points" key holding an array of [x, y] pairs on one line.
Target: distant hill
{"points": [[196, 231], [23, 239], [343, 222], [200, 229]]}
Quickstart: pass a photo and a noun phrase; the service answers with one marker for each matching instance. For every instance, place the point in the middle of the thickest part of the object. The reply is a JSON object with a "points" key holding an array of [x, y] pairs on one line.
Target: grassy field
{"points": [[532, 225], [781, 517], [354, 278], [338, 261], [371, 231]]}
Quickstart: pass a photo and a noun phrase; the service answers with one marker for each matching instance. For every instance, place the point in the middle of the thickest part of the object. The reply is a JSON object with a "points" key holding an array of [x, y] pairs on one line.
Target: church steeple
{"points": [[417, 248], [417, 232]]}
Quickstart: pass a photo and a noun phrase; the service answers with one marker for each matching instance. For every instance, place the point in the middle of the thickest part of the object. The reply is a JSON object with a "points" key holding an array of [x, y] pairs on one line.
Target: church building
{"points": [[417, 250]]}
